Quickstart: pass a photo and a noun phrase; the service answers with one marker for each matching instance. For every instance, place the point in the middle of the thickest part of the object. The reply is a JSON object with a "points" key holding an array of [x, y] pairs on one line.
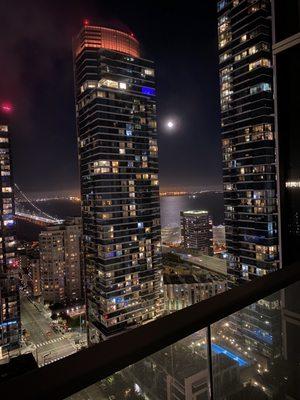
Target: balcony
{"points": [[241, 344]]}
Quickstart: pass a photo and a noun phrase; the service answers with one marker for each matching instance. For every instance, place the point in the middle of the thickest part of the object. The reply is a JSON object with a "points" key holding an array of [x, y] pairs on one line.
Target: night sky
{"points": [[37, 78]]}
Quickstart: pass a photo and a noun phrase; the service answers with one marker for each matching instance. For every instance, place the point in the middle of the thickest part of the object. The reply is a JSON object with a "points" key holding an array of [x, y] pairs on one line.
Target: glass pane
{"points": [[177, 372], [262, 344]]}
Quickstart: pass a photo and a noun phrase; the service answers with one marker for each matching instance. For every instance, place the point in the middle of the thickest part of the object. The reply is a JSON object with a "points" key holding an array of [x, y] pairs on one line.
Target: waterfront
{"points": [[170, 211], [172, 205]]}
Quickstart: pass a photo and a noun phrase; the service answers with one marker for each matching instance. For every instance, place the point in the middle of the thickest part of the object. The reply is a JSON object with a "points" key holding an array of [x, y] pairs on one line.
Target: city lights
{"points": [[124, 241]]}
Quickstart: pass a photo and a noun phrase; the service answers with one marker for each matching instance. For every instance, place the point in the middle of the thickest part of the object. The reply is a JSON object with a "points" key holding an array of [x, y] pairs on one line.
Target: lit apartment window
{"points": [[224, 39], [149, 71], [264, 62], [102, 163], [262, 87], [109, 83], [222, 4], [225, 56]]}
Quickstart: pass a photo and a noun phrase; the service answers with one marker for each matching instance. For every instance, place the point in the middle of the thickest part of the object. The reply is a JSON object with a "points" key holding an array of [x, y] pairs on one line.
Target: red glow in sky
{"points": [[6, 107]]}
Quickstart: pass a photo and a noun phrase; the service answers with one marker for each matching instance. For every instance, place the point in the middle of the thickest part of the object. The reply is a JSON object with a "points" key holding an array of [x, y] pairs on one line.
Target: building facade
{"points": [[248, 141], [219, 241], [35, 276], [249, 164], [118, 157], [186, 286], [29, 265], [196, 231], [10, 324], [61, 262]]}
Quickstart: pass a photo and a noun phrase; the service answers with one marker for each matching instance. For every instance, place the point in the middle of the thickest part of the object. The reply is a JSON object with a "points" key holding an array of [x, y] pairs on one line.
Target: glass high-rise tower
{"points": [[248, 142], [118, 157], [249, 164], [10, 325]]}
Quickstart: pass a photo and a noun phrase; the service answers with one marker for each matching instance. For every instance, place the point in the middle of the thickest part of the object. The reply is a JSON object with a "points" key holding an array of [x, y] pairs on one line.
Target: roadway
{"points": [[35, 322], [46, 345]]}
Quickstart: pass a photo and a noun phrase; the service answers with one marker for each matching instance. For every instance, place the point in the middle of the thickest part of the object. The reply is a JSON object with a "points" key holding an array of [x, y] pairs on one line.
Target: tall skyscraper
{"points": [[118, 156], [61, 262], [249, 164], [10, 325], [247, 121], [196, 231]]}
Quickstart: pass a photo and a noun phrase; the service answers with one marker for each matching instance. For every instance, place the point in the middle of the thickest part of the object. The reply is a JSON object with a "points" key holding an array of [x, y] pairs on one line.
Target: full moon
{"points": [[170, 124]]}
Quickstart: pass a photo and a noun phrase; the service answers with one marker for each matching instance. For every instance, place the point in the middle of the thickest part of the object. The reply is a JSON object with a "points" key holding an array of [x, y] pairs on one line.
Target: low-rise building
{"points": [[184, 286]]}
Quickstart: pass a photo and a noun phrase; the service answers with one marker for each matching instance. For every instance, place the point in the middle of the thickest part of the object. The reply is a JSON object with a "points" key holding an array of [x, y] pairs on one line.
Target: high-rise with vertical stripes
{"points": [[248, 142], [118, 157], [10, 324]]}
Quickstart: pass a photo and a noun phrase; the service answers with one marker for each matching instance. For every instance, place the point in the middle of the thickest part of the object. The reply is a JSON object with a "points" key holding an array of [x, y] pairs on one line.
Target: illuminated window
{"points": [[102, 163], [222, 4], [8, 222], [224, 39], [104, 170], [261, 87], [149, 71], [148, 91], [225, 56], [88, 85], [122, 85], [264, 62], [106, 215], [109, 83]]}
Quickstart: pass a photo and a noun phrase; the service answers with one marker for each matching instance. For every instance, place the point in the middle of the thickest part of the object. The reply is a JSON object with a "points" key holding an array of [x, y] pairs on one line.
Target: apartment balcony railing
{"points": [[241, 344]]}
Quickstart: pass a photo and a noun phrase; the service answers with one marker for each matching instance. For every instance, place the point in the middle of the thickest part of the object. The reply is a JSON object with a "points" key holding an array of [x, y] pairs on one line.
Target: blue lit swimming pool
{"points": [[220, 350]]}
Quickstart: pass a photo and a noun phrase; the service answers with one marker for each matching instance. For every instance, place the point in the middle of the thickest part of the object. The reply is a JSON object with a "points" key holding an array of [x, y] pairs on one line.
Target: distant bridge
{"points": [[36, 215]]}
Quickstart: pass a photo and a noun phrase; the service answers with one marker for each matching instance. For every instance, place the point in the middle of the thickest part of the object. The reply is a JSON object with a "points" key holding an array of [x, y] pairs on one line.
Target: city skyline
{"points": [[45, 123], [127, 270]]}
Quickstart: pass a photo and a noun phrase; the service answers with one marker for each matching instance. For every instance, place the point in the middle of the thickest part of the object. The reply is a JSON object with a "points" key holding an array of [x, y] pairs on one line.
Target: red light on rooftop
{"points": [[86, 22], [6, 107]]}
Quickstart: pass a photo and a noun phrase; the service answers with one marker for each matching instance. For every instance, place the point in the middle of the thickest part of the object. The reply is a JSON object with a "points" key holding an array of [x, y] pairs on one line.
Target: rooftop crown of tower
{"points": [[99, 37]]}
